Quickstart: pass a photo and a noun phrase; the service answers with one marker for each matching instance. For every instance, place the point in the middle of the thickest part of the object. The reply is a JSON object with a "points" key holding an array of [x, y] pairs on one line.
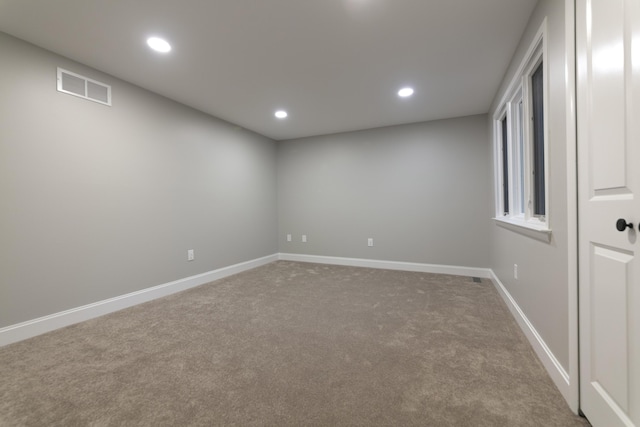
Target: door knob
{"points": [[622, 224]]}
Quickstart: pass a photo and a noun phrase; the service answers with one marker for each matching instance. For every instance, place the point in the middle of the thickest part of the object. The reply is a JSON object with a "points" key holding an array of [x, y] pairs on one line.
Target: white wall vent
{"points": [[77, 85]]}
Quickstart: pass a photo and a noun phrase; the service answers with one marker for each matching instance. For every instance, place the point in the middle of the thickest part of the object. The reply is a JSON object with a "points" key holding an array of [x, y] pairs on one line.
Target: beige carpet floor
{"points": [[290, 344]]}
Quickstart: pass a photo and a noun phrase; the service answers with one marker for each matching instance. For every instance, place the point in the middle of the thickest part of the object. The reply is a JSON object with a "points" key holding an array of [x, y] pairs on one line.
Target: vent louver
{"points": [[83, 87]]}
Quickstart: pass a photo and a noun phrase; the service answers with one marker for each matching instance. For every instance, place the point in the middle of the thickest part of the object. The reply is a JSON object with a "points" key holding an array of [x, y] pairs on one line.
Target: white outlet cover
{"points": [[288, 237], [304, 238]]}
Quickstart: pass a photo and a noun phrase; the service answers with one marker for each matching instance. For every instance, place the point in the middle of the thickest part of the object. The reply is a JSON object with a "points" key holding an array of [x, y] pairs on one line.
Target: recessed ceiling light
{"points": [[281, 114], [405, 92], [158, 44]]}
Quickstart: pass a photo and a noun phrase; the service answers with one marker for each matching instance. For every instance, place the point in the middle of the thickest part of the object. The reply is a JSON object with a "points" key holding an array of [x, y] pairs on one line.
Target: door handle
{"points": [[622, 224]]}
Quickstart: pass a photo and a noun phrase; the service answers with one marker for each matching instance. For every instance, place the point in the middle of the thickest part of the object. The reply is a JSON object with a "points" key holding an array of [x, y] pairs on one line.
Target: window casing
{"points": [[520, 133]]}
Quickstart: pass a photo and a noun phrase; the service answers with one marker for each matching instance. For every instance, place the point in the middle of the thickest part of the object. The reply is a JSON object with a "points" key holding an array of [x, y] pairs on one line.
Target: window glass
{"points": [[520, 116], [505, 167], [537, 100]]}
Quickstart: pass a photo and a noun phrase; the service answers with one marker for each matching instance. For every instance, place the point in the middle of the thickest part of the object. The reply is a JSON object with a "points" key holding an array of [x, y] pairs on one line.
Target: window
{"points": [[520, 152], [537, 117], [520, 145], [505, 169]]}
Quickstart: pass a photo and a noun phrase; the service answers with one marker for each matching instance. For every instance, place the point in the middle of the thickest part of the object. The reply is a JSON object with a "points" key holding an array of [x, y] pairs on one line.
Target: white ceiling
{"points": [[334, 65]]}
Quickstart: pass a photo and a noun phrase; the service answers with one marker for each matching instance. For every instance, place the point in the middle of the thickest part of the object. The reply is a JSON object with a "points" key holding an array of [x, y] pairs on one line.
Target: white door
{"points": [[608, 107]]}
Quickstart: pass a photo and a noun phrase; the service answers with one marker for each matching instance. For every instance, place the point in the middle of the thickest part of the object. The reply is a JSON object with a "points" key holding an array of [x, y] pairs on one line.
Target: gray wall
{"points": [[421, 191], [542, 287], [100, 201]]}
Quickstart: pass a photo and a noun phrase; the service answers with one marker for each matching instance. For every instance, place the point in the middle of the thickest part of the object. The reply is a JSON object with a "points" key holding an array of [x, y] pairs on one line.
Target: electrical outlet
{"points": [[288, 237], [515, 271], [191, 255], [304, 238], [370, 242]]}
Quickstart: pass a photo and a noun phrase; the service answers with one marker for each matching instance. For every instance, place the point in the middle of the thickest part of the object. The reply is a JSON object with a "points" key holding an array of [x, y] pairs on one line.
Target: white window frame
{"points": [[521, 217], [498, 132], [518, 155]]}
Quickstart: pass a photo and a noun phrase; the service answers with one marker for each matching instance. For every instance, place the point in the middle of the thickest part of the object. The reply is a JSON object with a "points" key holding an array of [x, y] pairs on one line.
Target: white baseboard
{"points": [[390, 265], [555, 370], [31, 328]]}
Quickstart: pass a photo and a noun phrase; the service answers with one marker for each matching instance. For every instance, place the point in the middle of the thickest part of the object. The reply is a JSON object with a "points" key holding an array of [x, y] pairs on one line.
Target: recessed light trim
{"points": [[158, 44], [281, 114], [405, 92]]}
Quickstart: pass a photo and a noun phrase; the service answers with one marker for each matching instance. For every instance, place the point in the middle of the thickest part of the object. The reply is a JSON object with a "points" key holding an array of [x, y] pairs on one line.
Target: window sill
{"points": [[540, 232]]}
